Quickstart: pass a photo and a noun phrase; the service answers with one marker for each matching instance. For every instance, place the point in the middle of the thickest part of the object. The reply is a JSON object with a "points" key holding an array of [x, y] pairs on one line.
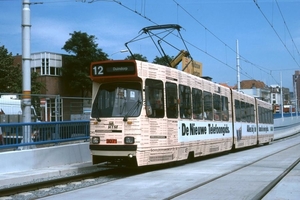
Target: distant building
{"points": [[276, 98], [49, 67], [271, 94], [226, 85], [256, 89], [280, 97], [55, 102]]}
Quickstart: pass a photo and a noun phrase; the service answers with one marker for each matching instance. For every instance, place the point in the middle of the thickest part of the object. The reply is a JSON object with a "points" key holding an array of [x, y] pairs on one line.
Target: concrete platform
{"points": [[163, 184], [34, 175], [27, 165], [288, 188], [41, 158]]}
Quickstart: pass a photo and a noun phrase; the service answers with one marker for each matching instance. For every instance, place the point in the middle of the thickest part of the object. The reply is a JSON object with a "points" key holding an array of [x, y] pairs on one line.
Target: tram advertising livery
{"points": [[147, 114]]}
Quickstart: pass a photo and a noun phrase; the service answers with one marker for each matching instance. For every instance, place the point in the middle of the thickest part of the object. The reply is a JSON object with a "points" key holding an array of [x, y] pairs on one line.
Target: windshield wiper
{"points": [[122, 107], [131, 110]]}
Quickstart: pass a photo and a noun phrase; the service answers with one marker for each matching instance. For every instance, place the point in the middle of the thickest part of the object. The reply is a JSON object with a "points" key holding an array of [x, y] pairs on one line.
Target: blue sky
{"points": [[268, 32]]}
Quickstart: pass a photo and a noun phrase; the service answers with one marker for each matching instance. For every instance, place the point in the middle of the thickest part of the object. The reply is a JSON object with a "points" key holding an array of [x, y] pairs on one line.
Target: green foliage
{"points": [[83, 50], [11, 77], [36, 85], [163, 60], [137, 56]]}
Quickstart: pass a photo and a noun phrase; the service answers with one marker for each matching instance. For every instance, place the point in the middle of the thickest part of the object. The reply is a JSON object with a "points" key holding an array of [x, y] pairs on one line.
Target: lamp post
{"points": [[121, 51], [296, 95], [26, 59], [281, 97], [26, 72]]}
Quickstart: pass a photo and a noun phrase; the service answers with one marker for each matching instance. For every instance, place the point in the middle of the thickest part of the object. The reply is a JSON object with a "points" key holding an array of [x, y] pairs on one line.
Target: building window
{"points": [[47, 64]]}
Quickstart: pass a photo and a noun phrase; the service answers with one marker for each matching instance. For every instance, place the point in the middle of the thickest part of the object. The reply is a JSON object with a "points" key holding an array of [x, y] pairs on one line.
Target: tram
{"points": [[148, 114]]}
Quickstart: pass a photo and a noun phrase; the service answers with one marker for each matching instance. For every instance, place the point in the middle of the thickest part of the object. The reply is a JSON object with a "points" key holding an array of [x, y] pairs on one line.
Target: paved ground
{"points": [[242, 184]]}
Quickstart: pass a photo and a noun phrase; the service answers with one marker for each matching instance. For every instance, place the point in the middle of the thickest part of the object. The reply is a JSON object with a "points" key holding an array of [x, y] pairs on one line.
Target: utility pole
{"points": [[281, 97], [238, 66], [296, 93], [26, 60]]}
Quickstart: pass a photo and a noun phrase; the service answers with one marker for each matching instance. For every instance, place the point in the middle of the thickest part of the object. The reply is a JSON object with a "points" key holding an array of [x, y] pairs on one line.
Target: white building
{"points": [[46, 63]]}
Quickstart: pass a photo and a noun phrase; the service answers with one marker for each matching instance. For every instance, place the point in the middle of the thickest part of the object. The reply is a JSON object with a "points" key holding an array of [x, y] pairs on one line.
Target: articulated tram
{"points": [[147, 114]]}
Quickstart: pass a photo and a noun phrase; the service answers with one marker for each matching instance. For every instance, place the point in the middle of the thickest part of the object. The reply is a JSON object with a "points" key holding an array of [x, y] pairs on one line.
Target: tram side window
{"points": [[154, 98], [185, 101], [247, 112], [259, 115], [271, 116], [252, 119], [207, 96], [265, 115], [268, 116], [261, 112], [217, 107], [171, 98], [237, 107], [224, 106], [197, 104], [243, 112]]}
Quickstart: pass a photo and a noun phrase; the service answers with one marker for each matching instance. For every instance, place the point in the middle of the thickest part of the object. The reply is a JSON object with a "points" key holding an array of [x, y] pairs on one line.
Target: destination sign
{"points": [[113, 70]]}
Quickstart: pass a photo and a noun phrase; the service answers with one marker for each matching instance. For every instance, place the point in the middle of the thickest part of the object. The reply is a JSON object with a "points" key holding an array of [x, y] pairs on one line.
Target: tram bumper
{"points": [[115, 154]]}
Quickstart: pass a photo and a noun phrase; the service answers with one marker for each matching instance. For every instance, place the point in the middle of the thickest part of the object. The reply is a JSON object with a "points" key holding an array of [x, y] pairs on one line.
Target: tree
{"points": [[36, 85], [83, 50], [11, 76], [163, 60], [137, 56]]}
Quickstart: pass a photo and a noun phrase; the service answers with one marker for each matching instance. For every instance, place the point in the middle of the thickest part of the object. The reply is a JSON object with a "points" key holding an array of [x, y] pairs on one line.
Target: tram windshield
{"points": [[122, 99]]}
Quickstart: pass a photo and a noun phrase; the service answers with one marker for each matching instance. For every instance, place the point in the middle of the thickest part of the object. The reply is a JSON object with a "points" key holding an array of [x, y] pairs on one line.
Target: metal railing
{"points": [[30, 135], [279, 115]]}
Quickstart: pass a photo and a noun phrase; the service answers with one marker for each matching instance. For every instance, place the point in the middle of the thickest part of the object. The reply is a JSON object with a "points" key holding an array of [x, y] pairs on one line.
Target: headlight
{"points": [[129, 140], [95, 140]]}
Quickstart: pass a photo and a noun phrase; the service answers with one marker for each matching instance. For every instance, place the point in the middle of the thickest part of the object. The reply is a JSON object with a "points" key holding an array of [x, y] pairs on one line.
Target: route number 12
{"points": [[98, 70]]}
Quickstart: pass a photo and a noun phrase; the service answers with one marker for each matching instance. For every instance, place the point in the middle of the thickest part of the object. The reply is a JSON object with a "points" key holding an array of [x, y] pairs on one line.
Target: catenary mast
{"points": [[238, 66], [26, 60]]}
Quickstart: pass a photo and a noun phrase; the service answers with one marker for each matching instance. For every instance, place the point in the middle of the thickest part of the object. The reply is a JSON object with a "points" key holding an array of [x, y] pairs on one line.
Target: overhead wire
{"points": [[287, 28], [220, 40], [206, 29], [204, 51], [277, 34], [265, 70], [135, 11]]}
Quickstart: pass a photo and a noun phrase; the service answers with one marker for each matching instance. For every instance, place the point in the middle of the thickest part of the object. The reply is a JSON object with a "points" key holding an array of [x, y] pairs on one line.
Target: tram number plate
{"points": [[111, 141]]}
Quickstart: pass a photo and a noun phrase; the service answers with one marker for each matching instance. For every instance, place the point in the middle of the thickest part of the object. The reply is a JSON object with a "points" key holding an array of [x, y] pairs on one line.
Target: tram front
{"points": [[115, 128]]}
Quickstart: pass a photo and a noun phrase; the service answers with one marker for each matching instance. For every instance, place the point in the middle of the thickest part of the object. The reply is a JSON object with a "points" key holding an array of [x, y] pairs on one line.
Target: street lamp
{"points": [[296, 93], [121, 51]]}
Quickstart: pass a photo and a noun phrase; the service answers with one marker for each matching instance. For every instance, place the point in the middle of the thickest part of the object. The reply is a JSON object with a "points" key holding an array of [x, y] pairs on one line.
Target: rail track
{"points": [[63, 184], [244, 169], [106, 174]]}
